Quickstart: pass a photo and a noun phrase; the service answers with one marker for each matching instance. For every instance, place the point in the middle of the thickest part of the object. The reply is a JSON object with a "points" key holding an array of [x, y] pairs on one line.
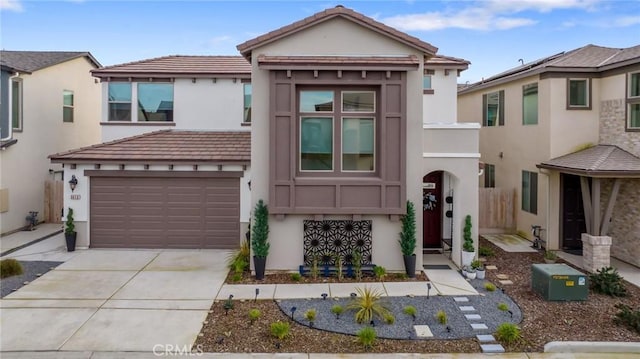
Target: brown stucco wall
{"points": [[625, 220]]}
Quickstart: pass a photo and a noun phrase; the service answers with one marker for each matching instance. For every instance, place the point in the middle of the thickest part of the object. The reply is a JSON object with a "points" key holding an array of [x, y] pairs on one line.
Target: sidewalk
{"points": [[14, 242]]}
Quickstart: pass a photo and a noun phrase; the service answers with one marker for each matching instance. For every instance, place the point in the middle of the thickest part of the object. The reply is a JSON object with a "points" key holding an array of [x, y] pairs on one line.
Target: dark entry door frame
{"points": [[432, 206]]}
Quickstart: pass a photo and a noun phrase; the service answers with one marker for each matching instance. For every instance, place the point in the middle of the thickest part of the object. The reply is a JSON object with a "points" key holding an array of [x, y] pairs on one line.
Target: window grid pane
{"points": [[316, 144], [247, 102], [634, 85], [316, 101], [493, 108], [530, 104], [119, 102], [634, 115], [426, 82], [67, 106], [358, 101], [16, 105], [358, 144], [578, 93], [155, 102]]}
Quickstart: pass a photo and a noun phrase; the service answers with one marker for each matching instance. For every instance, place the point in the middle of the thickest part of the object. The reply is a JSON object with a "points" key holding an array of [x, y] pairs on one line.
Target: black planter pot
{"points": [[71, 241], [410, 265], [259, 265]]}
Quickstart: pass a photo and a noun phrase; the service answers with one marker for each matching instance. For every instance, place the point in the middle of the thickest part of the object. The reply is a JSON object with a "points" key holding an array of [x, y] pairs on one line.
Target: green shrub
{"points": [[408, 234], [357, 264], [503, 307], [402, 276], [550, 255], [280, 329], [367, 304], [296, 277], [389, 318], [379, 272], [315, 270], [260, 230], [486, 252], [410, 310], [10, 267], [628, 317], [339, 265], [310, 315], [608, 281], [69, 225], [337, 310], [467, 246], [366, 337], [490, 287], [441, 316], [508, 333], [477, 265], [238, 260], [236, 277], [254, 314]]}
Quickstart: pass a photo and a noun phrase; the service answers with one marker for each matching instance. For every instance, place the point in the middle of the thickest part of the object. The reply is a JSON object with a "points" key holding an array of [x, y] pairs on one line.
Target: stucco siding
{"points": [[25, 166], [440, 107]]}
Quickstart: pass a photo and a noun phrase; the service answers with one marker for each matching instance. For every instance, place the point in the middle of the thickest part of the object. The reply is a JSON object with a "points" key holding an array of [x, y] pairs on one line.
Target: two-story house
{"points": [[347, 118], [563, 132], [173, 170], [49, 102]]}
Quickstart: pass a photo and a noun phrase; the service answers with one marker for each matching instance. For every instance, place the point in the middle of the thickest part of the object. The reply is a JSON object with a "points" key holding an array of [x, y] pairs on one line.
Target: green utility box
{"points": [[559, 282]]}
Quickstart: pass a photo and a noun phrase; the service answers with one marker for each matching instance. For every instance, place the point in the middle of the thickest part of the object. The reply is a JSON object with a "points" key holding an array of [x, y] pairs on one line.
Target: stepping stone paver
{"points": [[472, 316], [502, 276], [460, 299], [492, 348], [491, 267], [485, 338], [423, 331], [479, 326], [467, 308], [505, 282]]}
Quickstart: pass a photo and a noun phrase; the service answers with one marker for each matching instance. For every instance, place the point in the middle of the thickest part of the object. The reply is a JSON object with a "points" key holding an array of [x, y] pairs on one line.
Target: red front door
{"points": [[432, 210]]}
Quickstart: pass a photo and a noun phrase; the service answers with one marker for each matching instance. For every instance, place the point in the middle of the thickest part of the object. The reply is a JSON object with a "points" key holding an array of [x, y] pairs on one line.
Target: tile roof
{"points": [[447, 60], [339, 11], [180, 65], [167, 146], [29, 61], [589, 58], [597, 161], [340, 60]]}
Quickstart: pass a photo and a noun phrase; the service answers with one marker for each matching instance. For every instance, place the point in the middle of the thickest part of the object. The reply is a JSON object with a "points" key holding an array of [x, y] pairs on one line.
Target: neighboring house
{"points": [[339, 139], [539, 123], [49, 102], [173, 171]]}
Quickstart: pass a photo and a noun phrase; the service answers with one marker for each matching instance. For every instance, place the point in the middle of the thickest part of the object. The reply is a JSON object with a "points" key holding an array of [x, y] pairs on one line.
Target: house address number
{"points": [[75, 196]]}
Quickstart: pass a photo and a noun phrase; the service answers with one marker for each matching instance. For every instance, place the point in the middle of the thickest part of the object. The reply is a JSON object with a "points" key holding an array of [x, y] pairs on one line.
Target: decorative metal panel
{"points": [[325, 240]]}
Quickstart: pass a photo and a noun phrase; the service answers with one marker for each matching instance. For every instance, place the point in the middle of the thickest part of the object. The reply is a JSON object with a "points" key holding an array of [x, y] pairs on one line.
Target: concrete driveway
{"points": [[114, 300]]}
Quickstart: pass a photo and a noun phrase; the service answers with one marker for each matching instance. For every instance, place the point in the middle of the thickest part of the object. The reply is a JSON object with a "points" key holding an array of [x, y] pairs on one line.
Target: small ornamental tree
{"points": [[408, 234], [467, 246], [69, 227], [260, 230]]}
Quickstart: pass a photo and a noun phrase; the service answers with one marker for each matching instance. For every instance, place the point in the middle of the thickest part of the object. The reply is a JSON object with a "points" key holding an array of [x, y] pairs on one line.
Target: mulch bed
{"points": [[285, 277], [544, 321]]}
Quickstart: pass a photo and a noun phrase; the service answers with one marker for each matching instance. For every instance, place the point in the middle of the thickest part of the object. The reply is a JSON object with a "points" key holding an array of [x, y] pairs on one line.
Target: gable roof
{"points": [[597, 161], [339, 11], [589, 58], [180, 66], [30, 61], [166, 146], [447, 61]]}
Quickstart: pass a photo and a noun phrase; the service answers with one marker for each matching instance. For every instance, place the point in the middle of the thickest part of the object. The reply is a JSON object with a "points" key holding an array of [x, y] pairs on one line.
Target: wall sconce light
{"points": [[73, 182]]}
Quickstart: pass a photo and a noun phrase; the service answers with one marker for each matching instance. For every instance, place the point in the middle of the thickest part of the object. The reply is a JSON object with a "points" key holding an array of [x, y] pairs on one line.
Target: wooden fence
{"points": [[53, 201], [497, 208]]}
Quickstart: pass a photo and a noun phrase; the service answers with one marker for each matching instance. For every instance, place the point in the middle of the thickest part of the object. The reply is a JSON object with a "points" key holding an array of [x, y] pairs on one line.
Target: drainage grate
{"points": [[436, 266]]}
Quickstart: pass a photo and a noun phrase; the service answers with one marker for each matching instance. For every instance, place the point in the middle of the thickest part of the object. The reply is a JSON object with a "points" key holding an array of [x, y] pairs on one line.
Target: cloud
{"points": [[484, 15], [11, 5], [625, 21], [220, 39]]}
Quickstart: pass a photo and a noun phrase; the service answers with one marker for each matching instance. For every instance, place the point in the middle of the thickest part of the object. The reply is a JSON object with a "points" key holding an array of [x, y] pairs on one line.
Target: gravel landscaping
{"points": [[32, 270], [541, 321]]}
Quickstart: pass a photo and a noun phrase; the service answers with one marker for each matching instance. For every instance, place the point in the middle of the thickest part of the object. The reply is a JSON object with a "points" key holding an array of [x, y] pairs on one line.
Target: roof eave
{"points": [[168, 75], [590, 173]]}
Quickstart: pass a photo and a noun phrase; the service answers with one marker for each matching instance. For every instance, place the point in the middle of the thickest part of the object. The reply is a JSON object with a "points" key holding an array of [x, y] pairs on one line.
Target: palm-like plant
{"points": [[368, 304]]}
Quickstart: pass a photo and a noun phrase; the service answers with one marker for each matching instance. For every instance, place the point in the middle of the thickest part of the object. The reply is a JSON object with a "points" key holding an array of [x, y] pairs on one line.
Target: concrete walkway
{"points": [[13, 242]]}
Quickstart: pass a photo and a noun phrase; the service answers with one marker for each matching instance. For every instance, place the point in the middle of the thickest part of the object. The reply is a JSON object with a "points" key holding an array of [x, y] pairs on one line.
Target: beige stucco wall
{"points": [[333, 37], [440, 107], [25, 166]]}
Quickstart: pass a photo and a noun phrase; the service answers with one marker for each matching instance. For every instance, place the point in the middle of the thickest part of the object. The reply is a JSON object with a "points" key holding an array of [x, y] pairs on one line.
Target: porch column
{"points": [[596, 252]]}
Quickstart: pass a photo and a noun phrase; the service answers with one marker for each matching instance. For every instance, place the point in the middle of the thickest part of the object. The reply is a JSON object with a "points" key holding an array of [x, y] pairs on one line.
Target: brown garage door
{"points": [[150, 212]]}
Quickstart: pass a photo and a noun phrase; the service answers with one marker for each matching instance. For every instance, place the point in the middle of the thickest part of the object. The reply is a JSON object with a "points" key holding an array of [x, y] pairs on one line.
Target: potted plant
{"points": [[479, 267], [259, 235], [408, 240], [550, 257], [468, 250], [70, 231], [471, 273]]}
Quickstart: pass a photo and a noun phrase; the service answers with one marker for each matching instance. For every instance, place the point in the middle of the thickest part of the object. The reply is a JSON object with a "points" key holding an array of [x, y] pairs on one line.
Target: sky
{"points": [[493, 34]]}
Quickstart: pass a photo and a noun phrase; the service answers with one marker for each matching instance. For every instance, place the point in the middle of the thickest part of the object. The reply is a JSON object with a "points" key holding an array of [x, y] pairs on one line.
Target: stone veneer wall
{"points": [[625, 220]]}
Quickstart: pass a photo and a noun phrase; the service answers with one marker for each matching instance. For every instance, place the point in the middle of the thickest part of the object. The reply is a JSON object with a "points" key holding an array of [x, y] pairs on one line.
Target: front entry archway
{"points": [[432, 210]]}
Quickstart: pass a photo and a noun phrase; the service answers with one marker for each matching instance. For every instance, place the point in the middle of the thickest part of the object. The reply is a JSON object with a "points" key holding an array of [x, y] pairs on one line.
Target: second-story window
{"points": [[427, 82], [493, 109], [530, 104], [337, 125], [16, 104], [247, 103], [119, 101], [67, 106], [633, 102], [578, 94], [155, 102]]}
